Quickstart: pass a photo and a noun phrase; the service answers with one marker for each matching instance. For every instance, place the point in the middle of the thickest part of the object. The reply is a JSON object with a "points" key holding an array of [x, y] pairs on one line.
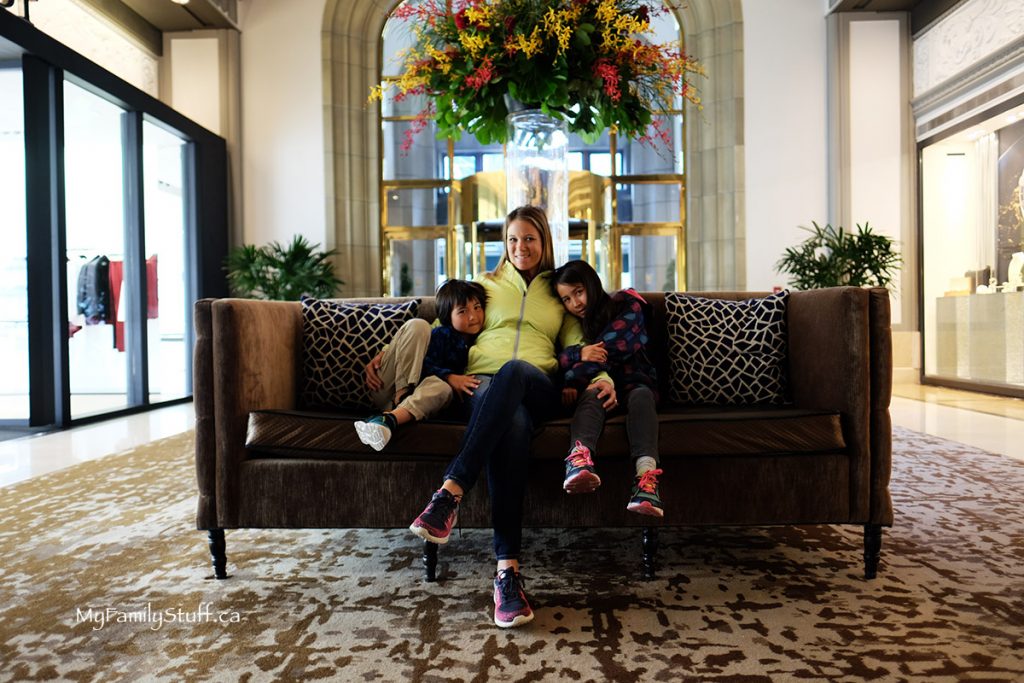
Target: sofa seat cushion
{"points": [[709, 431], [298, 434], [683, 432]]}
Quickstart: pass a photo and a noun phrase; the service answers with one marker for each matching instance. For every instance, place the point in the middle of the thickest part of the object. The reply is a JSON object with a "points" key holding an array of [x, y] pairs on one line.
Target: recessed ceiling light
{"points": [[180, 2]]}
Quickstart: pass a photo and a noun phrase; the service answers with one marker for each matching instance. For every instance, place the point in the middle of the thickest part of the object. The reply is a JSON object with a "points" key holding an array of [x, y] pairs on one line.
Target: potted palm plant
{"points": [[833, 257], [282, 273]]}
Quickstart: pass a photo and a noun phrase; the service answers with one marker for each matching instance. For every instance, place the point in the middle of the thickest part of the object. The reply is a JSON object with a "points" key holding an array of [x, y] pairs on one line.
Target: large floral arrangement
{"points": [[590, 61]]}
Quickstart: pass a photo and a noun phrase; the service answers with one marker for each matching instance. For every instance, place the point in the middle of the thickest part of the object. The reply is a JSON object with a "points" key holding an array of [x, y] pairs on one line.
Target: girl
{"points": [[616, 331]]}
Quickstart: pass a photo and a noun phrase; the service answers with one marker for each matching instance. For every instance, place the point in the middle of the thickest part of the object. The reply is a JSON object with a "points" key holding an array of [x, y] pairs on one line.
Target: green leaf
{"points": [[278, 272]]}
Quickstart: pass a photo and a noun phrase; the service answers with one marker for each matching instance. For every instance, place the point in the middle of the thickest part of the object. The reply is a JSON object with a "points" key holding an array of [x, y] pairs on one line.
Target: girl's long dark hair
{"points": [[600, 308]]}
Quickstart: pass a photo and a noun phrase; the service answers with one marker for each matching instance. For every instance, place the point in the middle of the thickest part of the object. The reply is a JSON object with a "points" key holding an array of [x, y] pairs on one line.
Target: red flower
{"points": [[461, 22], [482, 76], [609, 73]]}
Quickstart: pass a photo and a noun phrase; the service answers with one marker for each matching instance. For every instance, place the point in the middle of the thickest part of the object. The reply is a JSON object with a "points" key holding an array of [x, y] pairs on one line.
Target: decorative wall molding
{"points": [[964, 37], [994, 78]]}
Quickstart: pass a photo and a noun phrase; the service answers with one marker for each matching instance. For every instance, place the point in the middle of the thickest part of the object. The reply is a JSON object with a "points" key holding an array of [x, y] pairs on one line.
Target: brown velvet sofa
{"points": [[264, 462]]}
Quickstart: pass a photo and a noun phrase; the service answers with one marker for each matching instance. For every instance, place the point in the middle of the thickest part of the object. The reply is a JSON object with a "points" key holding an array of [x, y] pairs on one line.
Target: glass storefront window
{"points": [[167, 292], [14, 387], [94, 201], [973, 245]]}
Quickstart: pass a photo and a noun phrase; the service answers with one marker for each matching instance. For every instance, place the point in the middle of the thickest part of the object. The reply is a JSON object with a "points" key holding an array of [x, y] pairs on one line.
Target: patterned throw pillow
{"points": [[727, 352], [338, 340]]}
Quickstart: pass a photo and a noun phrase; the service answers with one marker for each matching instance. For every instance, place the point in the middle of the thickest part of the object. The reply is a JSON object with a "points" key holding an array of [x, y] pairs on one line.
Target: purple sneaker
{"points": [[435, 522], [511, 608]]}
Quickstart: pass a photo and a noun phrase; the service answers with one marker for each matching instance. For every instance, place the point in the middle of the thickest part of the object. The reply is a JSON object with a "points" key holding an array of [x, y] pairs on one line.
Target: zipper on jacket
{"points": [[519, 324]]}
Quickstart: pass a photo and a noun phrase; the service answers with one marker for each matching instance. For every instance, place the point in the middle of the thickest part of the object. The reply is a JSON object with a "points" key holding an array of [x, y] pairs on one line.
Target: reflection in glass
{"points": [[14, 403], [649, 263], [648, 202], [417, 267], [95, 253], [415, 207], [167, 294]]}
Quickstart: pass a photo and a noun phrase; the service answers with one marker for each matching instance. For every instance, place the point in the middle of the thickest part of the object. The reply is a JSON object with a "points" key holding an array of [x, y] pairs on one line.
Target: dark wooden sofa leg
{"points": [[650, 552], [872, 549], [429, 561], [218, 554]]}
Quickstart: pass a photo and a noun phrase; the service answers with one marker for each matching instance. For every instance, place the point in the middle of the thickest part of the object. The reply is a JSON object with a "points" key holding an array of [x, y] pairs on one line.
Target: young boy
{"points": [[421, 369]]}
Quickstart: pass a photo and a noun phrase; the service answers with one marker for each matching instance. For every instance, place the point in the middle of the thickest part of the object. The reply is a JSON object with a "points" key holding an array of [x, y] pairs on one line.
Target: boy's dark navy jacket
{"points": [[447, 354]]}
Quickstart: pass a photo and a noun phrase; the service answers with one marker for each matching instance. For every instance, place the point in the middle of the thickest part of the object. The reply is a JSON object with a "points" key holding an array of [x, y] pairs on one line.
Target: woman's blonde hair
{"points": [[535, 216]]}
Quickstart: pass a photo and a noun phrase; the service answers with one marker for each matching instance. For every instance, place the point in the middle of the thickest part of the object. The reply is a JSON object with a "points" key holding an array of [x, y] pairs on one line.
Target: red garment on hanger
{"points": [[152, 300]]}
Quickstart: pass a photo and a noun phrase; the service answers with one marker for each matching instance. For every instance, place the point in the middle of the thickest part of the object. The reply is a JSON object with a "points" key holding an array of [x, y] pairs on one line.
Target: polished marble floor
{"points": [[990, 423]]}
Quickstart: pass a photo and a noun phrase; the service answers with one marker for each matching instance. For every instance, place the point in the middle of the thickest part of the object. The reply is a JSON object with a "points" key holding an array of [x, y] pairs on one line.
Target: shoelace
{"points": [[509, 583], [648, 481], [579, 456], [444, 505]]}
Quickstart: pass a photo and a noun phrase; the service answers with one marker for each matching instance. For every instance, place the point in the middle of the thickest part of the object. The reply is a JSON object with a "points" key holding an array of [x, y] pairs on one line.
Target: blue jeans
{"points": [[502, 413]]}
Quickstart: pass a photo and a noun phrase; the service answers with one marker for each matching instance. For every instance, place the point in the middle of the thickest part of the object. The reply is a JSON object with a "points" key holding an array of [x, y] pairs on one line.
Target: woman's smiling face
{"points": [[524, 247]]}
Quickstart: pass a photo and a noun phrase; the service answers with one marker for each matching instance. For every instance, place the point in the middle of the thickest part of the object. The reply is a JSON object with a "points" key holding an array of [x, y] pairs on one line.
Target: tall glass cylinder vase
{"points": [[537, 171]]}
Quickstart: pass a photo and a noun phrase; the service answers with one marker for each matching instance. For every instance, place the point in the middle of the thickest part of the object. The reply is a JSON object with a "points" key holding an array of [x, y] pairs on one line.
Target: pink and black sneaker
{"points": [[580, 476], [644, 498], [435, 522], [511, 608]]}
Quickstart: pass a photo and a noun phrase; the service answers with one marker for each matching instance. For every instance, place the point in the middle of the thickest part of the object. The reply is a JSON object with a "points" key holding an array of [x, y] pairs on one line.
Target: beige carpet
{"points": [[116, 536]]}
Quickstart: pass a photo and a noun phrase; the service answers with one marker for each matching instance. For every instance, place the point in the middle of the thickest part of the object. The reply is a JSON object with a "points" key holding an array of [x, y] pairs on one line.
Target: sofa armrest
{"points": [[206, 429], [881, 396], [830, 368], [257, 360]]}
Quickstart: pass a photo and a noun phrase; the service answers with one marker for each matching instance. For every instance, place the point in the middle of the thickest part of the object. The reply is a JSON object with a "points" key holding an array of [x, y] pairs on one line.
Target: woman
{"points": [[512, 361]]}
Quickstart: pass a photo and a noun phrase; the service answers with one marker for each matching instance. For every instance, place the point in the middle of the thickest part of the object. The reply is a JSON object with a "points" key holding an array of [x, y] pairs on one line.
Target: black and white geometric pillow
{"points": [[727, 352], [338, 340]]}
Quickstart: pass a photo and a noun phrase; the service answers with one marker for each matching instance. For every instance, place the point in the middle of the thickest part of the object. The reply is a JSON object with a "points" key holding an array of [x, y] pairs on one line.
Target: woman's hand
{"points": [[606, 390], [373, 380], [463, 384], [569, 396], [595, 353]]}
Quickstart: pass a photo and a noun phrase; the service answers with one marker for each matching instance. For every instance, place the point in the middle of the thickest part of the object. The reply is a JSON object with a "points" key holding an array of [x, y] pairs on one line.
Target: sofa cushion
{"points": [[309, 434], [726, 352], [338, 340], [683, 432]]}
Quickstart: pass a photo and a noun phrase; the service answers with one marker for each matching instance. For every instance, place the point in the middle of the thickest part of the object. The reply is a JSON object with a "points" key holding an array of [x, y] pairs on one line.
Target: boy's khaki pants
{"points": [[401, 366]]}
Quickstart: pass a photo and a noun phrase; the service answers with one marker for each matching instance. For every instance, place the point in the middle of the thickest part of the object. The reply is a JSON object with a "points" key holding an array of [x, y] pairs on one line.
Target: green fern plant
{"points": [[833, 257], [282, 273]]}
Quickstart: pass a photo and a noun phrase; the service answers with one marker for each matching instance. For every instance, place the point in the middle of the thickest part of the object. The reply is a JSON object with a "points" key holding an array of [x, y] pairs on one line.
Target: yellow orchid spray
{"points": [[594, 62]]}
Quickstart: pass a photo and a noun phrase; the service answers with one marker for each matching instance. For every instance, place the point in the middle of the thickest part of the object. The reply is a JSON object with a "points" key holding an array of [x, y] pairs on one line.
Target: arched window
{"points": [[637, 234]]}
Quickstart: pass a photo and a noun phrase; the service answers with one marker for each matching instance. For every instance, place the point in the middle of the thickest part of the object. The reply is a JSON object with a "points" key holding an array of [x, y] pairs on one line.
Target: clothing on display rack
{"points": [[94, 290], [101, 295], [119, 300]]}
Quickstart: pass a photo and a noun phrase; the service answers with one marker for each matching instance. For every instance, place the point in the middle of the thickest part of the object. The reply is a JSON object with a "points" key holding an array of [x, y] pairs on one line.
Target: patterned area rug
{"points": [[103, 577]]}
